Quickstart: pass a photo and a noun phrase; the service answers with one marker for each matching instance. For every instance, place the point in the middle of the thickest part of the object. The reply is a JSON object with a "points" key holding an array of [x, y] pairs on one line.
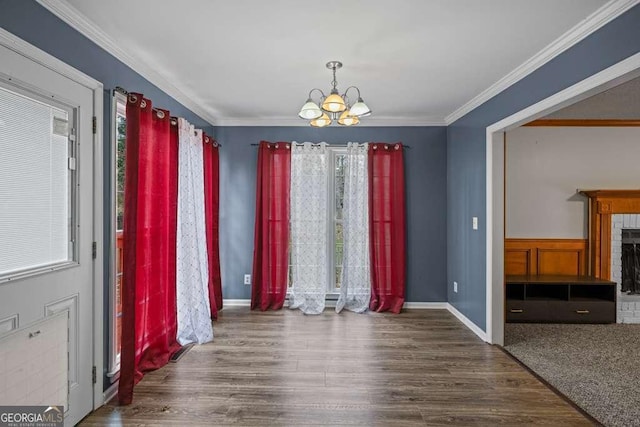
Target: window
{"points": [[335, 241], [117, 224], [37, 184]]}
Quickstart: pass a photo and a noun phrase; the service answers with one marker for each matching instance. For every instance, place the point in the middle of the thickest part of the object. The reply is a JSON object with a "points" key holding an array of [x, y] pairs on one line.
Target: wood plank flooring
{"points": [[422, 367]]}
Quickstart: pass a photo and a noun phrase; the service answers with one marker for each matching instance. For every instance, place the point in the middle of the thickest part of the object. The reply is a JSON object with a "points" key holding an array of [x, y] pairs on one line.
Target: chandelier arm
{"points": [[354, 87], [319, 90]]}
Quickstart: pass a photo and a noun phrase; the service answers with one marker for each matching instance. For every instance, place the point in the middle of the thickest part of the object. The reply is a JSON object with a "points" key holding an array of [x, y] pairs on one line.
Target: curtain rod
{"points": [[124, 92], [338, 145]]}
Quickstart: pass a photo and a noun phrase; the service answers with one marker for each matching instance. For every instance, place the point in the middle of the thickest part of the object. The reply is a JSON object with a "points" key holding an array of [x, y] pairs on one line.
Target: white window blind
{"points": [[34, 184]]}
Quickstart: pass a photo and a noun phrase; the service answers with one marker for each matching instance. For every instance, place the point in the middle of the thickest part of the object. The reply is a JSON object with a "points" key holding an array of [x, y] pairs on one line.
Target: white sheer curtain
{"points": [[194, 315], [308, 217], [355, 289]]}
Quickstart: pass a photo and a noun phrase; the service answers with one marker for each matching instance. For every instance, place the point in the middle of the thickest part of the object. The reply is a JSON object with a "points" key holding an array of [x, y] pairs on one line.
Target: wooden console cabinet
{"points": [[560, 299]]}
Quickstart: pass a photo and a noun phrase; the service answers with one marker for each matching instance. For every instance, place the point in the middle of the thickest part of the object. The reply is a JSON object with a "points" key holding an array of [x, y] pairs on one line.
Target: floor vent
{"points": [[178, 354]]}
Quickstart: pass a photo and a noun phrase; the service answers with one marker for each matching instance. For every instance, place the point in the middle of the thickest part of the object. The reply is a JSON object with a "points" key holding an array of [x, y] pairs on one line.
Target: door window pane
{"points": [[35, 176]]}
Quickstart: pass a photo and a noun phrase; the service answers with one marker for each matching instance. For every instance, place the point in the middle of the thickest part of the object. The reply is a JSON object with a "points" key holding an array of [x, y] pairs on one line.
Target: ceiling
{"points": [[619, 103], [247, 62]]}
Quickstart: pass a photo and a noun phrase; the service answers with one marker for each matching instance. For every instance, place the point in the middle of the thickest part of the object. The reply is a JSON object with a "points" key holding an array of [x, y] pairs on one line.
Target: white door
{"points": [[46, 210]]}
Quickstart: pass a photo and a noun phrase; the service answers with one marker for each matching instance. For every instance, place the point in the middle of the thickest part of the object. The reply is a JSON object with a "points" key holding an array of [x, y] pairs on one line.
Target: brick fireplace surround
{"points": [[609, 212]]}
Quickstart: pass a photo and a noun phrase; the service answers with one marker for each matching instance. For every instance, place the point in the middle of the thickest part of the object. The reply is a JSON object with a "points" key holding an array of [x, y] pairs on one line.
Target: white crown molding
{"points": [[69, 14], [468, 323], [619, 73], [368, 122], [589, 25]]}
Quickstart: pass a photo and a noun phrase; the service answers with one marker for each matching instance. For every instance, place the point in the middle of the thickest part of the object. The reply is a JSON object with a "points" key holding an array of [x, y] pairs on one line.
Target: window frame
{"points": [[36, 95], [118, 108], [332, 219]]}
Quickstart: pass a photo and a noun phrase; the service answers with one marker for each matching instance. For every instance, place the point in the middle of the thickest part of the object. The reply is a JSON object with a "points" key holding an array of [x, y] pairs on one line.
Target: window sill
{"points": [[114, 375]]}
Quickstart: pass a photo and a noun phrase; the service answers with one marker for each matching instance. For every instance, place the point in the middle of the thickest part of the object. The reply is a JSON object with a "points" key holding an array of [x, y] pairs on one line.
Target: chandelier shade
{"points": [[310, 110], [360, 109], [335, 106], [321, 121], [334, 103], [347, 119]]}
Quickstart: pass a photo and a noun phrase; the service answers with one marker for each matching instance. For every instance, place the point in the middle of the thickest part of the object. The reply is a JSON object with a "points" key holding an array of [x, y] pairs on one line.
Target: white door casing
{"points": [[33, 297]]}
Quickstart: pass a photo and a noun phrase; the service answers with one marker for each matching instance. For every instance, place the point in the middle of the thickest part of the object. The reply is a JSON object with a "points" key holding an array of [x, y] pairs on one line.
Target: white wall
{"points": [[545, 166]]}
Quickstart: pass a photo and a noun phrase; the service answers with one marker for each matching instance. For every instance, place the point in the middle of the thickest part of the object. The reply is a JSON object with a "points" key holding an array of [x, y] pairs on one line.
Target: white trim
{"points": [[426, 305], [236, 303], [89, 29], [332, 303], [113, 364], [110, 393], [489, 237], [297, 122], [468, 323], [98, 237], [605, 79], [616, 74], [329, 303], [591, 24]]}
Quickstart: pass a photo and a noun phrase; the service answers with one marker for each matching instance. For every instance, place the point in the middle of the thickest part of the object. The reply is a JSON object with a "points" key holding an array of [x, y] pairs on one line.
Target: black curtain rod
{"points": [[126, 93], [341, 145]]}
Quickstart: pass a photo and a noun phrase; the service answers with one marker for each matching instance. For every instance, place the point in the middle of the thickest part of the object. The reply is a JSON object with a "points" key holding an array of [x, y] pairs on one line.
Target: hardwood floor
{"points": [[422, 367]]}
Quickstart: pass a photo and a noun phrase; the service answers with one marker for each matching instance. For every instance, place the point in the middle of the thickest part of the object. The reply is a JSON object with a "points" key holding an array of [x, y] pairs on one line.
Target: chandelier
{"points": [[335, 106]]}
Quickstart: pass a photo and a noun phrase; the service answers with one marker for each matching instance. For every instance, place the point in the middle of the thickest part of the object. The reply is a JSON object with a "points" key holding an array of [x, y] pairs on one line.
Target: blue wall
{"points": [[466, 160], [425, 172]]}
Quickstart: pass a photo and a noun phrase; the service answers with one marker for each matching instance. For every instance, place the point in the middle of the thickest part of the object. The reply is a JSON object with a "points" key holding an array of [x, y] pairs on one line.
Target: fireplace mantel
{"points": [[603, 204]]}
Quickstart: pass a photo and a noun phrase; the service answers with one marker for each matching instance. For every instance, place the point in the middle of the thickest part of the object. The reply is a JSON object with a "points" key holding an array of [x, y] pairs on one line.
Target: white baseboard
{"points": [[109, 393], [468, 323], [236, 303], [426, 305], [247, 303], [332, 303]]}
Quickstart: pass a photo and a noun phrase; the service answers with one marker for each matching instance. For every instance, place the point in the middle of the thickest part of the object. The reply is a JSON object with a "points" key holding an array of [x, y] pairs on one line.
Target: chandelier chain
{"points": [[334, 82]]}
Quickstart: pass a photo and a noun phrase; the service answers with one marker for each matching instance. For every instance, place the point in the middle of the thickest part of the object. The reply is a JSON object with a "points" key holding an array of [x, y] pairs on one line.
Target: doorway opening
{"points": [[615, 75]]}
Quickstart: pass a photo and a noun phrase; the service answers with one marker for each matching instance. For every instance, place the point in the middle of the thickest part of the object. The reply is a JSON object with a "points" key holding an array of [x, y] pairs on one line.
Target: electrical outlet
{"points": [[474, 223], [455, 287], [247, 279]]}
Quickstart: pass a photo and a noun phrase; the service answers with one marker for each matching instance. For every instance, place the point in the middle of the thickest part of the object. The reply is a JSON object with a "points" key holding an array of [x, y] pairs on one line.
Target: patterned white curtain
{"points": [[308, 198], [194, 315], [355, 289]]}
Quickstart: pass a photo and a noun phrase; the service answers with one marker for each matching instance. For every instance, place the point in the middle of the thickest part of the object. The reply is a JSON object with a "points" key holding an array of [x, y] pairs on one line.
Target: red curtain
{"points": [[148, 294], [387, 227], [173, 235], [211, 204], [271, 238]]}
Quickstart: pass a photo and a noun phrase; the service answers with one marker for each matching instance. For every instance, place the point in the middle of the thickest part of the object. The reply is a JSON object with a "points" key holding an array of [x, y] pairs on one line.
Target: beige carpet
{"points": [[596, 366]]}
